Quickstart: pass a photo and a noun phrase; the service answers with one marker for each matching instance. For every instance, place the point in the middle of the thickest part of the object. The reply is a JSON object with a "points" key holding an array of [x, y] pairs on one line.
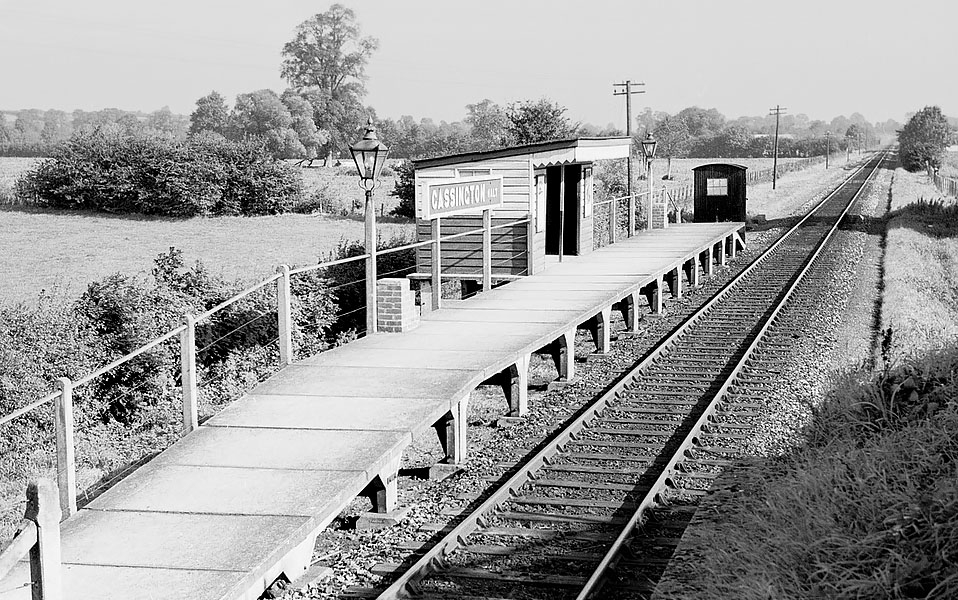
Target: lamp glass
{"points": [[648, 146], [369, 154]]}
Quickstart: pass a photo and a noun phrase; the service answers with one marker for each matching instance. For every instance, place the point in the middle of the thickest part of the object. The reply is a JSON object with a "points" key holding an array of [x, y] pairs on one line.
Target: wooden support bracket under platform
{"points": [[708, 265], [654, 292], [452, 430], [675, 281], [564, 356], [719, 250], [630, 314], [602, 331], [383, 490], [692, 271], [515, 385]]}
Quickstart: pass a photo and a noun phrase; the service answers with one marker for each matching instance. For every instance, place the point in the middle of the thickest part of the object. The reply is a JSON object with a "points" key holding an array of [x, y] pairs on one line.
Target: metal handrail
{"points": [[25, 409], [145, 348], [237, 297], [207, 314]]}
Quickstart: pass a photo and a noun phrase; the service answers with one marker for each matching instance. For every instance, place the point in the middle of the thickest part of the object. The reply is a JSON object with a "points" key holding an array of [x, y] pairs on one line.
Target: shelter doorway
{"points": [[554, 219]]}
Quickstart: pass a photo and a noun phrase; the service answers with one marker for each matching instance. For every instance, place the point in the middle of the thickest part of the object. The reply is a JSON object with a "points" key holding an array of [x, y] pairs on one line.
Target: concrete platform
{"points": [[227, 509]]}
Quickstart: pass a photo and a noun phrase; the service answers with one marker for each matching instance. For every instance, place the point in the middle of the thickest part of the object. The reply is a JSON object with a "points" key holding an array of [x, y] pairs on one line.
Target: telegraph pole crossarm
{"points": [[627, 91]]}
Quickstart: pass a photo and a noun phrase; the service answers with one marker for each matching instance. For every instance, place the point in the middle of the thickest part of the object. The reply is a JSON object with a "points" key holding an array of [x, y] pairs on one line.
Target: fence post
{"points": [[632, 214], [45, 569], [284, 316], [188, 374], [486, 250], [66, 458], [436, 265], [613, 207], [530, 246]]}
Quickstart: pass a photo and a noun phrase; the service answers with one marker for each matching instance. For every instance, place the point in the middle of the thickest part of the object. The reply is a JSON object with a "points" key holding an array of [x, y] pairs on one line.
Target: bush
{"points": [[125, 173], [868, 508], [347, 280]]}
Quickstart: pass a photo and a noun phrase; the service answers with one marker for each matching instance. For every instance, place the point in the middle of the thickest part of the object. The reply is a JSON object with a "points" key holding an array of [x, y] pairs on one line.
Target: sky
{"points": [[820, 58]]}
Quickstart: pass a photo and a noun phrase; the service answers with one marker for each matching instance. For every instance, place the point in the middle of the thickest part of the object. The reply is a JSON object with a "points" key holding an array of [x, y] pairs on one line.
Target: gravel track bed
{"points": [[835, 338], [495, 445]]}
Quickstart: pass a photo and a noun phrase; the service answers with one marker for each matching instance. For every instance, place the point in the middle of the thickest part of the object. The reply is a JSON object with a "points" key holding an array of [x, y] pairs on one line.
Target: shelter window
{"points": [[716, 187], [473, 172]]}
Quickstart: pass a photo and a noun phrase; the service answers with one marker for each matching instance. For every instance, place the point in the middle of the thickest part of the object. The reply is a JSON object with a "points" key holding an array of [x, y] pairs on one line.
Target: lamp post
{"points": [[369, 155], [648, 149]]}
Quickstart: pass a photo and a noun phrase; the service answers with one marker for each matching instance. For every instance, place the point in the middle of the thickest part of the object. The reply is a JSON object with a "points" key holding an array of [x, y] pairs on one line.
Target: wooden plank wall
{"points": [[463, 256], [509, 245]]}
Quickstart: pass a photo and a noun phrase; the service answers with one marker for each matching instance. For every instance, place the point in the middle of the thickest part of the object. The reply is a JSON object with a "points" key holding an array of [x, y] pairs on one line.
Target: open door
{"points": [[568, 223]]}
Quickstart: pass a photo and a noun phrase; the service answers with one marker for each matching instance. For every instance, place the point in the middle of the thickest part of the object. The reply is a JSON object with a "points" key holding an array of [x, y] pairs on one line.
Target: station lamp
{"points": [[369, 154], [648, 149]]}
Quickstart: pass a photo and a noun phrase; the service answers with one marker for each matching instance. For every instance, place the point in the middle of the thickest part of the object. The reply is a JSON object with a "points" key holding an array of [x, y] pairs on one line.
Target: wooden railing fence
{"points": [[39, 538], [945, 185], [186, 332]]}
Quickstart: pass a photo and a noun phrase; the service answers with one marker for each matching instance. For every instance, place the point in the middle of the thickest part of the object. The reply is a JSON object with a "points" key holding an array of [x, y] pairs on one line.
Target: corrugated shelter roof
{"points": [[555, 152]]}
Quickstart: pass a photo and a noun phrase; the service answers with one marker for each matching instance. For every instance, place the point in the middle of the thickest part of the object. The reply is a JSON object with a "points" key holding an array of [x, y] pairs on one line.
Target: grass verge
{"points": [[867, 505]]}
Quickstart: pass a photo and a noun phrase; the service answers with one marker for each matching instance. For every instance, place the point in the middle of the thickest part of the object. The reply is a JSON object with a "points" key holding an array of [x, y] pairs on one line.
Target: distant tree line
{"points": [[34, 132]]}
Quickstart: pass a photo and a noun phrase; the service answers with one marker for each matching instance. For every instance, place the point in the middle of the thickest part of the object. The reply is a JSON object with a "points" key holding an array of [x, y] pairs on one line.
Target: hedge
{"points": [[125, 173]]}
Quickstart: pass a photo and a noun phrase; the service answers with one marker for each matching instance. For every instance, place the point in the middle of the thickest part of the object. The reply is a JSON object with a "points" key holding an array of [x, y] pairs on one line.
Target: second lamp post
{"points": [[370, 156], [648, 148]]}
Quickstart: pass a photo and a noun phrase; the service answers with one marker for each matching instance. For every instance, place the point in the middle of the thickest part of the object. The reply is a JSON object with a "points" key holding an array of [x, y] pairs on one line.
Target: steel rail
{"points": [[407, 584], [692, 438]]}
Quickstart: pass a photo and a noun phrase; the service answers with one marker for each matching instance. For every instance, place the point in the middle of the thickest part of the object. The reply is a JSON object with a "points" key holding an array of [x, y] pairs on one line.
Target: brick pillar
{"points": [[396, 305], [660, 216]]}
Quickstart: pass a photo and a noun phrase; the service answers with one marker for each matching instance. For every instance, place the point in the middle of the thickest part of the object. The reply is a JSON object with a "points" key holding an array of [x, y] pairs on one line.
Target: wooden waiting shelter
{"points": [[536, 199]]}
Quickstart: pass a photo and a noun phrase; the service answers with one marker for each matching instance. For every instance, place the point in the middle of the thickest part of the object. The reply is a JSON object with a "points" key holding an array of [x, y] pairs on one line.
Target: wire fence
{"points": [[186, 375]]}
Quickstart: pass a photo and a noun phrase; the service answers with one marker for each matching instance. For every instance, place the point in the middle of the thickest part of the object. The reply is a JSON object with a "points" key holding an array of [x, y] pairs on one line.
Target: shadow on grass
{"points": [[867, 507], [87, 214], [937, 217]]}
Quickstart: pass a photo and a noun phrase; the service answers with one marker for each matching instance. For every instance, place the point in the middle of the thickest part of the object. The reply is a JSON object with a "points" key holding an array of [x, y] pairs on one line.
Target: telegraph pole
{"points": [[777, 111], [828, 149], [627, 92]]}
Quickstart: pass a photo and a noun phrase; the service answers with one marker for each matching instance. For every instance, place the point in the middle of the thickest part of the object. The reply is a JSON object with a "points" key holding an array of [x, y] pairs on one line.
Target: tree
{"points": [[261, 114], [923, 139], [673, 136], [702, 122], [56, 127], [405, 190], [326, 62], [538, 121], [211, 114], [328, 53], [853, 134], [29, 126], [164, 121], [301, 112], [490, 125]]}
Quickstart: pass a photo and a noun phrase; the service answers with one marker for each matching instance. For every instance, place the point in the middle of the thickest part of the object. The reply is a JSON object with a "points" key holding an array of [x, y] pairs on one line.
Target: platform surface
{"points": [[213, 515]]}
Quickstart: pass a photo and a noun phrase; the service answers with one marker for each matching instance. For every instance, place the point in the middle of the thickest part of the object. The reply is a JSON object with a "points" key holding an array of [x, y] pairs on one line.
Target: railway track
{"points": [[599, 509]]}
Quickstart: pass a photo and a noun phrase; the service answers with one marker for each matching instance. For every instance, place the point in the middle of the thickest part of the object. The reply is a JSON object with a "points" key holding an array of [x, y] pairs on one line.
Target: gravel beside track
{"points": [[839, 338], [358, 559]]}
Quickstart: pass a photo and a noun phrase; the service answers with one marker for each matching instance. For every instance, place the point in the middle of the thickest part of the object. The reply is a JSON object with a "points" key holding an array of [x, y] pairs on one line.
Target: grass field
{"points": [[922, 257], [949, 165], [65, 250], [682, 167]]}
